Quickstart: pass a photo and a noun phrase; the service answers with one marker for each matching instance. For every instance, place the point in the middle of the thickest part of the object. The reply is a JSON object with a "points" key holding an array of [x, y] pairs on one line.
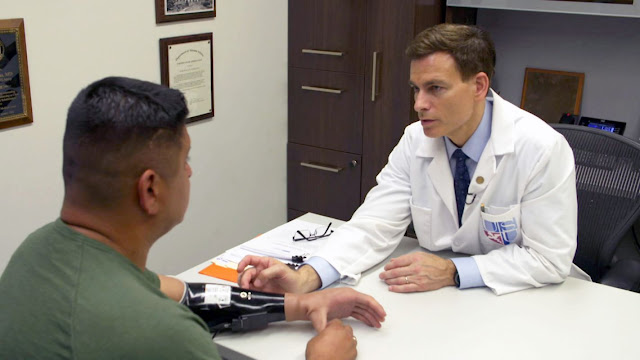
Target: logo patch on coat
{"points": [[501, 232]]}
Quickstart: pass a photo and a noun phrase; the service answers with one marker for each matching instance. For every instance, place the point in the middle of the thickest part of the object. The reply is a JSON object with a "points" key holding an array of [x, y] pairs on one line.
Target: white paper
{"points": [[277, 243]]}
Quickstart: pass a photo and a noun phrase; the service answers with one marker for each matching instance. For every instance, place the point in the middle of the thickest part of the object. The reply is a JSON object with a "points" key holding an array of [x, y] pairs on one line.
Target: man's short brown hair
{"points": [[471, 47]]}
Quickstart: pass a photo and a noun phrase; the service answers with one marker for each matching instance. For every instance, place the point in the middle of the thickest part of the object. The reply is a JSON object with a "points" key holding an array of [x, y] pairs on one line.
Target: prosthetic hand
{"points": [[225, 307]]}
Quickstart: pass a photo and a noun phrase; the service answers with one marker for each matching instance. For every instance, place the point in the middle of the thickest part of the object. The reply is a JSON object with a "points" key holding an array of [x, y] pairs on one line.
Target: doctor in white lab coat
{"points": [[519, 218]]}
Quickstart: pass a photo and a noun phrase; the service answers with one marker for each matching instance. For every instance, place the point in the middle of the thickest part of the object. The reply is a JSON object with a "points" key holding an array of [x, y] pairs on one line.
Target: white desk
{"points": [[574, 320]]}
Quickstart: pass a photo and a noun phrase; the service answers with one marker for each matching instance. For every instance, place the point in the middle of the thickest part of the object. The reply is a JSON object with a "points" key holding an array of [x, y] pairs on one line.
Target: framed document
{"points": [[15, 93], [548, 93], [186, 64], [177, 10]]}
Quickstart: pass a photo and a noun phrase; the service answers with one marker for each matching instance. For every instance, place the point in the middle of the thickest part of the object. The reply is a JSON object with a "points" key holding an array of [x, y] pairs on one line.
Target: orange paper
{"points": [[220, 272]]}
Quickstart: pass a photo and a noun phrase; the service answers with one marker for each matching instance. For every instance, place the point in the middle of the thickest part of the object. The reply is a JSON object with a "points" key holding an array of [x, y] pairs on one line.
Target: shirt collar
{"points": [[474, 147]]}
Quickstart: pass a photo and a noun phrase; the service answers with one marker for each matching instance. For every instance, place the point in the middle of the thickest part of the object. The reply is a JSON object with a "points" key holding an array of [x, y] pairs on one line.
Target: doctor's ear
{"points": [[482, 84]]}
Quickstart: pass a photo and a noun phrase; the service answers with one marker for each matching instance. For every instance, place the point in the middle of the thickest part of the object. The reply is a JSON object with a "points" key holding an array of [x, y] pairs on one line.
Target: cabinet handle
{"points": [[322, 52], [321, 89], [333, 169], [374, 76]]}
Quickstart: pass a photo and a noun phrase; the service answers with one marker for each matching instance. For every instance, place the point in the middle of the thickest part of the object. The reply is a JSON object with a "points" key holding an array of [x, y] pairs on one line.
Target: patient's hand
{"points": [[325, 305]]}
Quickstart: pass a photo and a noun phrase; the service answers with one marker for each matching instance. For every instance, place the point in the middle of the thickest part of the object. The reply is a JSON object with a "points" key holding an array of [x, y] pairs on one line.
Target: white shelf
{"points": [[567, 7]]}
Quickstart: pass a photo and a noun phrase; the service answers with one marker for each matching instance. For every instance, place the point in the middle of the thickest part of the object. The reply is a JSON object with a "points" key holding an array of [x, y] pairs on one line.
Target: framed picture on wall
{"points": [[186, 64], [178, 10], [15, 92], [549, 93]]}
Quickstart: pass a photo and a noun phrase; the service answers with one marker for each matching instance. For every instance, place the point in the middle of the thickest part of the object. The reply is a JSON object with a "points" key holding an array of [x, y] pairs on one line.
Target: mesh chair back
{"points": [[608, 186]]}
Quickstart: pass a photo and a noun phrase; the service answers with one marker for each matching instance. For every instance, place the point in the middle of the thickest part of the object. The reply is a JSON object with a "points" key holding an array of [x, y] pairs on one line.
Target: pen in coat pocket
{"points": [[482, 207]]}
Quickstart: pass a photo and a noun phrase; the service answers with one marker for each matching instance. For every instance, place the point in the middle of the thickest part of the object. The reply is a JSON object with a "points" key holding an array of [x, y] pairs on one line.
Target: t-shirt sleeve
{"points": [[153, 278]]}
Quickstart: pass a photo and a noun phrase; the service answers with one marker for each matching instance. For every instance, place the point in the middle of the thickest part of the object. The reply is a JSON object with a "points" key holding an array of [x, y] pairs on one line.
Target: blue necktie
{"points": [[460, 181]]}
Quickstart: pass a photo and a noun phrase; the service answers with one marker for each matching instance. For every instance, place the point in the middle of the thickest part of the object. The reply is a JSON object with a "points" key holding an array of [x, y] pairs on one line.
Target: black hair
{"points": [[116, 128]]}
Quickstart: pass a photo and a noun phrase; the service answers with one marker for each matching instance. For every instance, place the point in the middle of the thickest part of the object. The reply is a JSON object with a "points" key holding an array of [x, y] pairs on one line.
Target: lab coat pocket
{"points": [[422, 223], [501, 225]]}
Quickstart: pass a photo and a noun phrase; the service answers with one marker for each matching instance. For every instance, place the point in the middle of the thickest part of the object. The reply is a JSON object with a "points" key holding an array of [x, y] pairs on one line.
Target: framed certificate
{"points": [[186, 64], [177, 10], [15, 93]]}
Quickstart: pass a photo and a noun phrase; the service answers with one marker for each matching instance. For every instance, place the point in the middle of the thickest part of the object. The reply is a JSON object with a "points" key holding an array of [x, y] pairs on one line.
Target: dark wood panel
{"points": [[335, 194], [328, 25], [294, 214], [391, 25], [326, 120], [428, 13]]}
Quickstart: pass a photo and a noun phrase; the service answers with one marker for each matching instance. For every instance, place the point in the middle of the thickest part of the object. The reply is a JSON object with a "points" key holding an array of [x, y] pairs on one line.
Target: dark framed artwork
{"points": [[548, 93], [178, 10], [186, 64], [15, 92]]}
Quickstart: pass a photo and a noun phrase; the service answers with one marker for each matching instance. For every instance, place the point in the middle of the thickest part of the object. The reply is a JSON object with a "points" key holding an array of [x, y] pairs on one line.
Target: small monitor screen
{"points": [[602, 124], [603, 127]]}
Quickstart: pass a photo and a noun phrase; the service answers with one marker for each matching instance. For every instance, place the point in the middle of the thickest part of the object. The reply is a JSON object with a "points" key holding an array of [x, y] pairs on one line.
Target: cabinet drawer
{"points": [[325, 109], [322, 181], [327, 34]]}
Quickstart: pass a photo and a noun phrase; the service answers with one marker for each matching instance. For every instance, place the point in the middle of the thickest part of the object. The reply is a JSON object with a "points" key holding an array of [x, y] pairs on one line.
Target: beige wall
{"points": [[238, 157]]}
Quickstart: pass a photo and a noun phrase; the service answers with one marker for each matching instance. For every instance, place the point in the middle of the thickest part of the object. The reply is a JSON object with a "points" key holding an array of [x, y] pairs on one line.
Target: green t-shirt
{"points": [[66, 296]]}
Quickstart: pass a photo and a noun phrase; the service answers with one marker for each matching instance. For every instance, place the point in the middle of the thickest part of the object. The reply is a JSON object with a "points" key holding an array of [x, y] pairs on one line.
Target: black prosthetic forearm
{"points": [[225, 307]]}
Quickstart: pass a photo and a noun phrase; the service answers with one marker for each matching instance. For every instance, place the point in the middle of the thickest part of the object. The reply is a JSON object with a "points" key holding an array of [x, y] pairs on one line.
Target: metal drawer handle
{"points": [[374, 76], [333, 169], [321, 89], [322, 52]]}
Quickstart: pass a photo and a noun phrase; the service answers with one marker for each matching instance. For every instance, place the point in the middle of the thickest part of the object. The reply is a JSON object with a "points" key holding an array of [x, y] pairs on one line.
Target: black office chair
{"points": [[608, 186]]}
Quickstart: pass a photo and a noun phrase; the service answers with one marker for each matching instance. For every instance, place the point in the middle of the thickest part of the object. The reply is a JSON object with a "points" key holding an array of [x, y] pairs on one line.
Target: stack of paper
{"points": [[277, 243]]}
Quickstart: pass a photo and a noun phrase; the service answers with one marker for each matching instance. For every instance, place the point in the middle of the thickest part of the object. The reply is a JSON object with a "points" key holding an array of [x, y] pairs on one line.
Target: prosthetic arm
{"points": [[225, 307]]}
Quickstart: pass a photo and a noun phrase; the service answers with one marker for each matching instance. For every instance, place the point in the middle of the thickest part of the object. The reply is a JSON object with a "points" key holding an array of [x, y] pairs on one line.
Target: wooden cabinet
{"points": [[323, 180], [325, 109], [327, 34], [349, 99]]}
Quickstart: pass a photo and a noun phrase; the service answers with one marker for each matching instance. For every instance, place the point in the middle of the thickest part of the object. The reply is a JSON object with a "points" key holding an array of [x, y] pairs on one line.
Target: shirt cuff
{"points": [[328, 274], [468, 272]]}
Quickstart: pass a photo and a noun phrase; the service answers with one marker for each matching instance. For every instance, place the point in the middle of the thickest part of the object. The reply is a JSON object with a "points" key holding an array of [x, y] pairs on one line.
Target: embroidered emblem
{"points": [[501, 232]]}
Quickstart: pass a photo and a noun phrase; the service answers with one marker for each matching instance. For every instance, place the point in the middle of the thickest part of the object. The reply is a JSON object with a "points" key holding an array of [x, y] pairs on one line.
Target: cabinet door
{"points": [[388, 101], [322, 181], [325, 109], [327, 34]]}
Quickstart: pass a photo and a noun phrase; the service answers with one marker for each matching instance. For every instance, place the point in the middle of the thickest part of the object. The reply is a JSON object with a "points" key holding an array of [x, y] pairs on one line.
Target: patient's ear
{"points": [[149, 191]]}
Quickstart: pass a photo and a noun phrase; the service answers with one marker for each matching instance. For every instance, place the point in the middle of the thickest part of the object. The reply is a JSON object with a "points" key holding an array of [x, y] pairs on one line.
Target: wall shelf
{"points": [[567, 7]]}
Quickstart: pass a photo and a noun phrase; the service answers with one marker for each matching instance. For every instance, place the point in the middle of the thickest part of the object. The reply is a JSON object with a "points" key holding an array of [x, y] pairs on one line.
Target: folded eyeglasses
{"points": [[314, 234]]}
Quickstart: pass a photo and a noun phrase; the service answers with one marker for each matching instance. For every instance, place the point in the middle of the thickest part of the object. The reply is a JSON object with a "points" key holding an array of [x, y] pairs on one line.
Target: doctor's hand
{"points": [[418, 271], [270, 275], [325, 305], [336, 341]]}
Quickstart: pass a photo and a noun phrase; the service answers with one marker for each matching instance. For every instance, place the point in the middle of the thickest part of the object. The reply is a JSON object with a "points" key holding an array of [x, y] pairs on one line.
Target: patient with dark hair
{"points": [[78, 288]]}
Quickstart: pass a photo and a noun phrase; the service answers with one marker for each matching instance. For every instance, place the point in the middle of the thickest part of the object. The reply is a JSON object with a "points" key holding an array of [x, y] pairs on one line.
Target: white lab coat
{"points": [[525, 179]]}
